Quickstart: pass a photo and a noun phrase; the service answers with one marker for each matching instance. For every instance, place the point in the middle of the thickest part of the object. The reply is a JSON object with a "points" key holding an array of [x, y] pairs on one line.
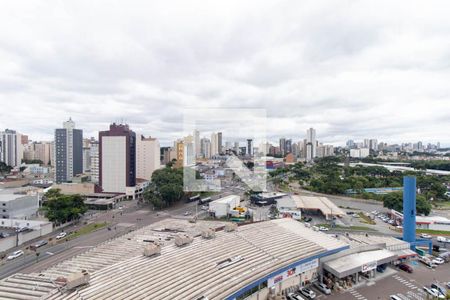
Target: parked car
{"points": [[394, 297], [442, 239], [15, 255], [187, 213], [433, 292], [204, 207], [442, 290], [448, 284], [38, 244], [426, 236], [61, 235], [323, 288], [406, 268], [22, 229], [438, 261], [294, 296], [307, 292], [4, 234], [323, 228]]}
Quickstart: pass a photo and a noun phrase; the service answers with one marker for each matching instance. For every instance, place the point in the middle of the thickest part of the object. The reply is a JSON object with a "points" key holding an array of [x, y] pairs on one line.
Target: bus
{"points": [[204, 200], [194, 198]]}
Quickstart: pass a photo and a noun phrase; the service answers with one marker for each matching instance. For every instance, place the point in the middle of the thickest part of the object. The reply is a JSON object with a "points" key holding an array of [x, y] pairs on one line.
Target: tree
{"points": [[395, 201], [61, 208], [166, 187], [4, 168]]}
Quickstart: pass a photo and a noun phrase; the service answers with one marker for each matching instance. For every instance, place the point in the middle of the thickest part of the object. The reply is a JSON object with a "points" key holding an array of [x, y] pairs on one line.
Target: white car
{"points": [[61, 235], [438, 261], [323, 228], [323, 288], [294, 296], [15, 254], [307, 292], [426, 236], [433, 292], [442, 239]]}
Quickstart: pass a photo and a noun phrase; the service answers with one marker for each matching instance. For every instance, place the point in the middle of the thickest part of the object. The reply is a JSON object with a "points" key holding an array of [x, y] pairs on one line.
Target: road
{"points": [[120, 222]]}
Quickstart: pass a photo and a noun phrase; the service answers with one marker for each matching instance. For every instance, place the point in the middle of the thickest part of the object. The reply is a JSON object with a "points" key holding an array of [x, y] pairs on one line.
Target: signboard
{"points": [[301, 268], [369, 266]]}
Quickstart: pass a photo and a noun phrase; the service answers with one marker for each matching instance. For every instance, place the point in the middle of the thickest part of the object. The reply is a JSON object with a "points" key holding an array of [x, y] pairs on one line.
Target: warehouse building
{"points": [[18, 206]]}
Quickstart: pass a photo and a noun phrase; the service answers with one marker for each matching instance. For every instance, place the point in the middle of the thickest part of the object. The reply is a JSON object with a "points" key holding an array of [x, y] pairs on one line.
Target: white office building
{"points": [[147, 157]]}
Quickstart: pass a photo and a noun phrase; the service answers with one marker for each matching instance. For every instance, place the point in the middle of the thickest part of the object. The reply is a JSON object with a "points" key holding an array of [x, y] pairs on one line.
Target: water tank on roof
{"points": [[152, 249], [208, 233], [230, 227], [183, 239]]}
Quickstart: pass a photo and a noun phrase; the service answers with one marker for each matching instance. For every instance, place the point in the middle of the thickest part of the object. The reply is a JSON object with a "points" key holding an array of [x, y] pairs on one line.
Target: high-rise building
{"points": [[68, 152], [205, 147], [214, 144], [249, 147], [147, 157], [219, 142], [197, 144], [350, 144], [311, 144], [117, 151], [42, 152], [11, 148], [288, 146], [373, 144], [282, 147], [95, 162], [86, 155]]}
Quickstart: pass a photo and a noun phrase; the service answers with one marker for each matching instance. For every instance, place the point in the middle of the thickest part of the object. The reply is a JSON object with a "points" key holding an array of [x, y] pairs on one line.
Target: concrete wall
{"points": [[7, 243], [39, 229]]}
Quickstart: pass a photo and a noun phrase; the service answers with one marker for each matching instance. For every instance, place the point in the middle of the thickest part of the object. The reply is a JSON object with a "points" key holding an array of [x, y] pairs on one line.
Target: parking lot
{"points": [[402, 284]]}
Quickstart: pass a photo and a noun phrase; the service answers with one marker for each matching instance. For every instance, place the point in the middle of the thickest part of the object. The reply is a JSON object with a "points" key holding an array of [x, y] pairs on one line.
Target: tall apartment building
{"points": [[147, 157], [249, 147], [205, 147], [38, 151], [282, 147], [311, 144], [11, 148], [95, 162], [219, 143], [117, 151], [214, 144], [68, 152], [197, 144]]}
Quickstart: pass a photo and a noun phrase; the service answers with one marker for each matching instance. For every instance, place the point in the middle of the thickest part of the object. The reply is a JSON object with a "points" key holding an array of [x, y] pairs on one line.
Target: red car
{"points": [[405, 268]]}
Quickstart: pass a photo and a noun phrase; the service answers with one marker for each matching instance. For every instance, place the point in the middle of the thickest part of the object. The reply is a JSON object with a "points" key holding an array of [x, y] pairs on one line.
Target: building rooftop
{"points": [[323, 204], [119, 269]]}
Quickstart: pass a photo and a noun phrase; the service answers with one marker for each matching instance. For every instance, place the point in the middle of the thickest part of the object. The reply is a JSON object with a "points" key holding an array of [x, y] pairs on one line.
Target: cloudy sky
{"points": [[350, 69]]}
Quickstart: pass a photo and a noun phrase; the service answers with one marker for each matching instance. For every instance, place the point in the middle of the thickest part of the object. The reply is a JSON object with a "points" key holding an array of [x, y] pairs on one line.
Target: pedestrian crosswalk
{"points": [[356, 294], [414, 292], [405, 282]]}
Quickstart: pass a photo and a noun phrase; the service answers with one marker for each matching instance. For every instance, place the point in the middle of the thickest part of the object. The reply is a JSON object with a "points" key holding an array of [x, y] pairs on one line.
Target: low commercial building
{"points": [[317, 204], [430, 222], [18, 206]]}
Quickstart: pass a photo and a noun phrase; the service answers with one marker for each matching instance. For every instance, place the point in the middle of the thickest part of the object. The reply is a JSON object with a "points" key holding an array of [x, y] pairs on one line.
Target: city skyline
{"points": [[354, 72]]}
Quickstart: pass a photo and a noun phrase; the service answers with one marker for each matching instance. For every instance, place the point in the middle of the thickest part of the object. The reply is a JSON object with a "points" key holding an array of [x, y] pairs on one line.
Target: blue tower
{"points": [[409, 209]]}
